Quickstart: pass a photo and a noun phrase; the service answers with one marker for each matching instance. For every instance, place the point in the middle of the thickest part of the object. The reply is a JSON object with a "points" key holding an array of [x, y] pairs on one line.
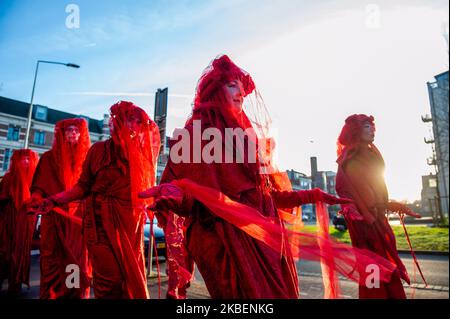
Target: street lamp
{"points": [[30, 111]]}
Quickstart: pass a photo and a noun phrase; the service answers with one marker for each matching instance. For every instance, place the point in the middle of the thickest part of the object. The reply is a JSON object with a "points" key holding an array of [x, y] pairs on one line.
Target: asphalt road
{"points": [[435, 268]]}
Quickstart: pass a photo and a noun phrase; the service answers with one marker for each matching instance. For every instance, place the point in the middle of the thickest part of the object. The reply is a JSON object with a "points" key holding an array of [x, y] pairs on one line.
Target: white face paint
{"points": [[368, 133], [72, 134], [234, 94]]}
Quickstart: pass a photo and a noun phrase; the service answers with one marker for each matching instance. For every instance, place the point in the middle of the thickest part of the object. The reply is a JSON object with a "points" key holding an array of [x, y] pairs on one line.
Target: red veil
{"points": [[141, 152], [367, 185], [16, 186], [70, 158], [219, 191], [21, 178]]}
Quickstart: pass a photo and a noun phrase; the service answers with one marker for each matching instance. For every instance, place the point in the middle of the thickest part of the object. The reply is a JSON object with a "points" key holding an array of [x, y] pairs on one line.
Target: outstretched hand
{"points": [[400, 208], [333, 200], [167, 197]]}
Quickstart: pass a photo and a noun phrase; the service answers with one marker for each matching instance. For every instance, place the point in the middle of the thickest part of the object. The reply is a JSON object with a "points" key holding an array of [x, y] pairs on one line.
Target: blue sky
{"points": [[315, 62]]}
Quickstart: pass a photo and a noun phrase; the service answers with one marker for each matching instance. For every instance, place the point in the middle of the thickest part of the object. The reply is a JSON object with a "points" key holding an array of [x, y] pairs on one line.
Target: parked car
{"points": [[159, 238]]}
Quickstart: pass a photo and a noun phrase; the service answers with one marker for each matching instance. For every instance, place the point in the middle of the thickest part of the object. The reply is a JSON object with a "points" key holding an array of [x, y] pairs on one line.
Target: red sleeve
{"points": [[82, 188], [286, 199], [46, 177], [291, 199]]}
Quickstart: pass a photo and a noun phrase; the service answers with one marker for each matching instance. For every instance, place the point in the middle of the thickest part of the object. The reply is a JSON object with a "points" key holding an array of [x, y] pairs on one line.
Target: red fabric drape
{"points": [[61, 242], [360, 177], [113, 172], [16, 228], [234, 227]]}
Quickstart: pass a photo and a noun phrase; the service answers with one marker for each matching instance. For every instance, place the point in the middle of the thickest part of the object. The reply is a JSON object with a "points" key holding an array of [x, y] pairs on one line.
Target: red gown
{"points": [[8, 225], [360, 177], [62, 241], [16, 227], [232, 263], [113, 230]]}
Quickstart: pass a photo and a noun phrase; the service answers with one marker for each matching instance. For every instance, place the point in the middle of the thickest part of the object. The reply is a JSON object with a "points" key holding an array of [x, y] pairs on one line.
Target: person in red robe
{"points": [[113, 172], [16, 229], [61, 241], [360, 177], [235, 233]]}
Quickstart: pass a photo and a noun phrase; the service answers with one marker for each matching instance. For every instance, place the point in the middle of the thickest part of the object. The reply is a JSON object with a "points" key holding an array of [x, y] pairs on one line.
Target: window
{"points": [[432, 182], [39, 137], [6, 159], [13, 133], [41, 113]]}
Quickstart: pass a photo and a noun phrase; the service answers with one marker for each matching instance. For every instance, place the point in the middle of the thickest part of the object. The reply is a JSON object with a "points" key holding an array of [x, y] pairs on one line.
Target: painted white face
{"points": [[72, 134], [234, 94], [368, 133]]}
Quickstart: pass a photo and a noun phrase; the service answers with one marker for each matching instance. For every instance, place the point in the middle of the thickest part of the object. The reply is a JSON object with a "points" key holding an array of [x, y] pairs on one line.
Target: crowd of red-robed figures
{"points": [[239, 222]]}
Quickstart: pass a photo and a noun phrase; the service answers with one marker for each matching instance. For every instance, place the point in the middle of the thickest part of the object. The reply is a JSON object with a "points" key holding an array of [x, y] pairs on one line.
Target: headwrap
{"points": [[70, 157]]}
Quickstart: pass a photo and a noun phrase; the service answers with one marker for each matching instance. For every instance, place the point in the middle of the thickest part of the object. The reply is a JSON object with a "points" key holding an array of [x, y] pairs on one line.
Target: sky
{"points": [[314, 62]]}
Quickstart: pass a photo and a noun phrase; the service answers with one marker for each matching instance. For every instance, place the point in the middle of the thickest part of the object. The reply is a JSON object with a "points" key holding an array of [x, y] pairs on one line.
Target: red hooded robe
{"points": [[61, 238], [16, 228], [113, 173], [360, 177]]}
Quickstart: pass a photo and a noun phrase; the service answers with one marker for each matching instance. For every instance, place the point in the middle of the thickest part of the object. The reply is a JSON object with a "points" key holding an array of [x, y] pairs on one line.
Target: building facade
{"points": [[300, 181], [13, 123], [429, 199], [438, 96], [326, 181]]}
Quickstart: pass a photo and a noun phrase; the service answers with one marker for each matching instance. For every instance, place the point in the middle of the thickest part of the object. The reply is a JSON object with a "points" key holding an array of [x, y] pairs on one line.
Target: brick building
{"points": [[13, 123]]}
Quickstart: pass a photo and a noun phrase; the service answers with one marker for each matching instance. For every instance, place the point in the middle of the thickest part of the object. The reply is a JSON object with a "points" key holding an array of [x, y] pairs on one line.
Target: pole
{"points": [[30, 110], [150, 251]]}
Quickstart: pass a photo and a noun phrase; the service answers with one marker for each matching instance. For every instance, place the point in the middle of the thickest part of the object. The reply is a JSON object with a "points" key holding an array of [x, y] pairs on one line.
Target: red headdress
{"points": [[221, 71], [21, 176], [141, 151], [70, 157], [350, 138], [210, 104]]}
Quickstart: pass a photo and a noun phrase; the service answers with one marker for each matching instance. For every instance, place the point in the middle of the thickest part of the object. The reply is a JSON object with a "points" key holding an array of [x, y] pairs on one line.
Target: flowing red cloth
{"points": [[235, 230], [180, 266], [114, 236], [16, 228], [360, 177], [348, 261], [224, 255], [113, 173], [225, 250]]}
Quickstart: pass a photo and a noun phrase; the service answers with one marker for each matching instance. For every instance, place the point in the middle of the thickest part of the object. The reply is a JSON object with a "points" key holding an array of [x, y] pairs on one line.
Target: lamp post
{"points": [[30, 110]]}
